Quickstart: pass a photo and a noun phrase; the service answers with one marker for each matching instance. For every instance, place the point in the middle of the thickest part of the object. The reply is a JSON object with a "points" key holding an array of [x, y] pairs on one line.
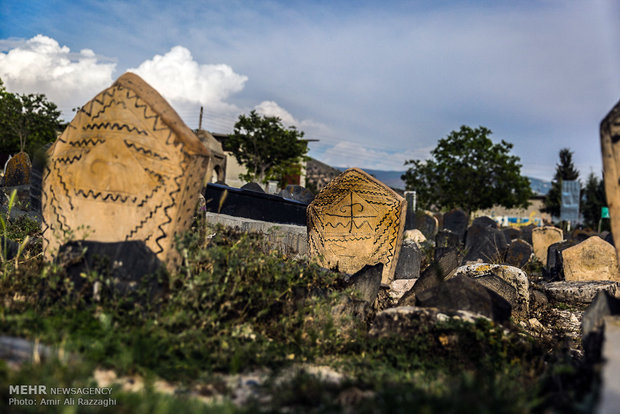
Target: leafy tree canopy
{"points": [[27, 121], [565, 170], [468, 170], [266, 148], [593, 200]]}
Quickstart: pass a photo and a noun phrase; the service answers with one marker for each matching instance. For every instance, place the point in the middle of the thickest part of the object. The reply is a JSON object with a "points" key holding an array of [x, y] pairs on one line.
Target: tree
{"points": [[593, 200], [27, 121], [266, 148], [565, 170], [467, 170]]}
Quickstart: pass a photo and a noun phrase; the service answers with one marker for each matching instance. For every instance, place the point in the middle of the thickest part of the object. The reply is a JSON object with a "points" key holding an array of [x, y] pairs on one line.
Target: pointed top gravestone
{"points": [[126, 168], [355, 221]]}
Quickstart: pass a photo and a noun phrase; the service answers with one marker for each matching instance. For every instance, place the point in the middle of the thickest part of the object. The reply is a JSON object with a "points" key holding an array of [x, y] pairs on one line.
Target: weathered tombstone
{"points": [[518, 253], [484, 221], [297, 193], [456, 220], [447, 240], [126, 168], [367, 282], [410, 197], [354, 221], [464, 293], [36, 177], [610, 135], [593, 259], [555, 267], [426, 223], [542, 238], [485, 243], [17, 170], [432, 276], [511, 234], [128, 266], [526, 233], [509, 282], [409, 260], [256, 187]]}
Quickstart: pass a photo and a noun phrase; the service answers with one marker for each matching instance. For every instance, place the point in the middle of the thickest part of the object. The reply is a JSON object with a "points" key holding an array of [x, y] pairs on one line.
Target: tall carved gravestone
{"points": [[354, 221], [126, 168], [610, 146]]}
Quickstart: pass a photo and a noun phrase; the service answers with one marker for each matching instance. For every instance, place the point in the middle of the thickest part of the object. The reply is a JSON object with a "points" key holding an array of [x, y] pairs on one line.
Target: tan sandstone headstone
{"points": [[128, 168], [592, 259], [542, 238], [610, 147], [354, 221]]}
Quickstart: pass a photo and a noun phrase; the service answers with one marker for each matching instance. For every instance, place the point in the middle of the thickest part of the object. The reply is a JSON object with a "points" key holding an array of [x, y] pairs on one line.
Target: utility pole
{"points": [[200, 119]]}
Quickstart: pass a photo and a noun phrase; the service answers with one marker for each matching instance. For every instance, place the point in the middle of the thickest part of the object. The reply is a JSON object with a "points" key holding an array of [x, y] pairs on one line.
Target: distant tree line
{"points": [[27, 121]]}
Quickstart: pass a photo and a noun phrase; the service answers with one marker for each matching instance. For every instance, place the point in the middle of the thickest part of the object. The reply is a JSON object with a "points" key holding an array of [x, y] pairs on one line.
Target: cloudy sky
{"points": [[377, 83]]}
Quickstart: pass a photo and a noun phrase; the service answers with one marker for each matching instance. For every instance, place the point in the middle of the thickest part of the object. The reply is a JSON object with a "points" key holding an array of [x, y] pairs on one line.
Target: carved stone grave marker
{"points": [[126, 168], [354, 221]]}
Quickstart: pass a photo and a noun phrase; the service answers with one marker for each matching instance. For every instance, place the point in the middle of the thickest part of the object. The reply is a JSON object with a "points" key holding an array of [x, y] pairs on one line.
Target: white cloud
{"points": [[189, 85], [352, 154], [41, 65], [270, 108]]}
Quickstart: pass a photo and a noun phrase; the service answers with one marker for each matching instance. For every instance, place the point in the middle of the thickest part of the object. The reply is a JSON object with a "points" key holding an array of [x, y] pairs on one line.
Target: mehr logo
{"points": [[27, 389]]}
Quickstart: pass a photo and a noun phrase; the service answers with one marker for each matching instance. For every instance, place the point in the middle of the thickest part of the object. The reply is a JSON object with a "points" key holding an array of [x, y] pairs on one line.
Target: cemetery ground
{"points": [[240, 328]]}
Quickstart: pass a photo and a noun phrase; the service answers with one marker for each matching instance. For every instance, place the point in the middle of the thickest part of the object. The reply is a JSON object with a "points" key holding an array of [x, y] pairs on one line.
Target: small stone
{"points": [[593, 259], [414, 235]]}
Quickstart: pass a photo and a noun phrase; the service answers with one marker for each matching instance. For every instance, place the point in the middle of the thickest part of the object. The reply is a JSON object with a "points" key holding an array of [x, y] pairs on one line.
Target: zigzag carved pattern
{"points": [[69, 160], [143, 222], [168, 218], [144, 108], [106, 107], [115, 125], [145, 151], [107, 197], [87, 141], [347, 239]]}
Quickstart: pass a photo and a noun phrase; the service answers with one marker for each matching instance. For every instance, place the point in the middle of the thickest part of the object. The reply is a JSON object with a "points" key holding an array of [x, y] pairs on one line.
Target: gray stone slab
{"points": [[577, 292]]}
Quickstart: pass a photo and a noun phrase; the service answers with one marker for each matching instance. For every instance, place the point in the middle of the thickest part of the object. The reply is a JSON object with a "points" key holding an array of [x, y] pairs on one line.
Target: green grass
{"points": [[233, 307]]}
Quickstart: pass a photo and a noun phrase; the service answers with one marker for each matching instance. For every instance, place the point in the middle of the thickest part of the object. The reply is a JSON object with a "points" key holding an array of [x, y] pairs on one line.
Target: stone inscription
{"points": [[355, 221]]}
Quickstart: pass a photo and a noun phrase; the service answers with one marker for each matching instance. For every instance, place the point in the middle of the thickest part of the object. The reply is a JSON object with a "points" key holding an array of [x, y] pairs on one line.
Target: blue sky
{"points": [[376, 82]]}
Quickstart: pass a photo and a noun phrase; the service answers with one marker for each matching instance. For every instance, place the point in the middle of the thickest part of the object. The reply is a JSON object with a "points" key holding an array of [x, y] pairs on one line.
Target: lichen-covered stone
{"points": [[17, 170]]}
